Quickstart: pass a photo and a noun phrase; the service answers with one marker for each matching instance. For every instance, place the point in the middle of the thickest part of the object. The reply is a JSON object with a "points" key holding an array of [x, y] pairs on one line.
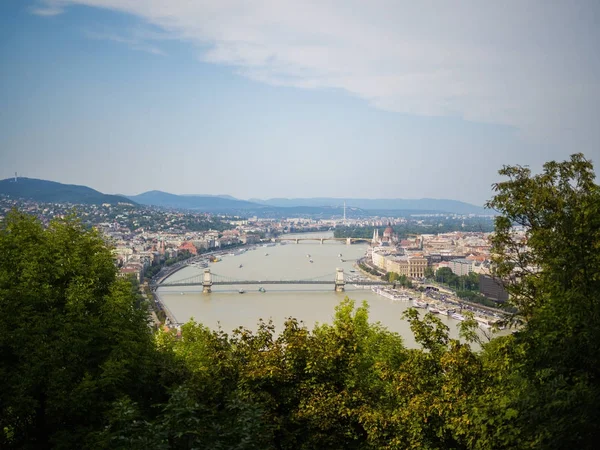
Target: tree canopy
{"points": [[70, 342]]}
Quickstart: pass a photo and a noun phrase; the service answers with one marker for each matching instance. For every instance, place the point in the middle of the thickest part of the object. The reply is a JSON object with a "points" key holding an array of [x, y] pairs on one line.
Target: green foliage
{"points": [[424, 226], [429, 274], [71, 340], [552, 273], [368, 269], [469, 282], [181, 256], [400, 280]]}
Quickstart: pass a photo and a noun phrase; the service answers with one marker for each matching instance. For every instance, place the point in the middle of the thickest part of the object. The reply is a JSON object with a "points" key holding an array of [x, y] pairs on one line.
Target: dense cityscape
{"points": [[144, 238]]}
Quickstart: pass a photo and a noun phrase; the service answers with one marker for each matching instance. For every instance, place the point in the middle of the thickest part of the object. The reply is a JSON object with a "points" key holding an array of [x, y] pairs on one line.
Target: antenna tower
{"points": [[344, 212]]}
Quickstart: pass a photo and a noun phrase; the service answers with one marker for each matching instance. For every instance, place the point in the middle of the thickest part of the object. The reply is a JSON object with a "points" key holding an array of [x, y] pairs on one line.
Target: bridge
{"points": [[207, 280], [348, 241]]}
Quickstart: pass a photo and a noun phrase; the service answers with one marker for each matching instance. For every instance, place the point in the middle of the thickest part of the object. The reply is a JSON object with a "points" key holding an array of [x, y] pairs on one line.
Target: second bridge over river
{"points": [[208, 279], [297, 240]]}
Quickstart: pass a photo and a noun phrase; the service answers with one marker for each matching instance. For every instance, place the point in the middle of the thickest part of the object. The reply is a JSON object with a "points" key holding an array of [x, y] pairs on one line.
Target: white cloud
{"points": [[133, 42], [48, 10], [529, 64]]}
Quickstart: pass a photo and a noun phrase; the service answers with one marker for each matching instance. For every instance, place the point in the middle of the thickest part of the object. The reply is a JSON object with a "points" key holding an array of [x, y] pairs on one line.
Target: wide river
{"points": [[227, 308]]}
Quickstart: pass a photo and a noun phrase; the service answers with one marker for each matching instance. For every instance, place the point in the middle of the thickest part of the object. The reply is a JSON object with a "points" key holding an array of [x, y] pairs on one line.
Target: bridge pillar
{"points": [[297, 240], [339, 280], [207, 282], [322, 241], [348, 241]]}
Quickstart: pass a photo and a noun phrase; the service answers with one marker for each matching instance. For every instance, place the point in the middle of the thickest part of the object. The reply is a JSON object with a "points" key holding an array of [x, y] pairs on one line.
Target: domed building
{"points": [[388, 233], [389, 237]]}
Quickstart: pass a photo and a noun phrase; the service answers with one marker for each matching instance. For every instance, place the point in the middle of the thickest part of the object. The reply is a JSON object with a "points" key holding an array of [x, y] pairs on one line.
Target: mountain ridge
{"points": [[428, 204], [54, 192], [208, 203]]}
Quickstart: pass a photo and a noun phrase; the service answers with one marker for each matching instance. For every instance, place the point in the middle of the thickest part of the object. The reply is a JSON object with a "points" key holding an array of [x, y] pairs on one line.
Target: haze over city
{"points": [[375, 99]]}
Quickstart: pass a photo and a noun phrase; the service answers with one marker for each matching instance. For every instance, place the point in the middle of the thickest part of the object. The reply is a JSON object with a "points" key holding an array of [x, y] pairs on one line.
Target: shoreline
{"points": [[455, 300]]}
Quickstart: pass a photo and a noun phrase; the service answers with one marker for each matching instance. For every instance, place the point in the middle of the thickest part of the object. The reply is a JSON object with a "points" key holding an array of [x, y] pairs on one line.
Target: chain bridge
{"points": [[208, 279]]}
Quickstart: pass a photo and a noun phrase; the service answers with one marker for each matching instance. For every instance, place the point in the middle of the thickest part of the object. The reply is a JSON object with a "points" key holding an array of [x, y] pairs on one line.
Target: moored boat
{"points": [[433, 309]]}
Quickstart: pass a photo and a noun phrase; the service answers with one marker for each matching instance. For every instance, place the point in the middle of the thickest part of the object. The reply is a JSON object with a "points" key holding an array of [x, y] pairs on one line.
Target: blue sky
{"points": [[377, 99]]}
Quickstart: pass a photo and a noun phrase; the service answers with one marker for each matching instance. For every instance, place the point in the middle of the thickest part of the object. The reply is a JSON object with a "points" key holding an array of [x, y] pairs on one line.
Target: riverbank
{"points": [[453, 300]]}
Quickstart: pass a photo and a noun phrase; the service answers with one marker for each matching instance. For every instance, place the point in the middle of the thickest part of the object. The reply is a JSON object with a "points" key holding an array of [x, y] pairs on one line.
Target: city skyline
{"points": [[287, 99]]}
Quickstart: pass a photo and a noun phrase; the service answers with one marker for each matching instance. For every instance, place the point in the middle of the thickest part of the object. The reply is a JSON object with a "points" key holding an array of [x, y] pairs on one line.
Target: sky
{"points": [[282, 98]]}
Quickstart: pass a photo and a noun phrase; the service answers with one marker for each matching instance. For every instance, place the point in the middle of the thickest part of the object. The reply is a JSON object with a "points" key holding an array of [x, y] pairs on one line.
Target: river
{"points": [[227, 308]]}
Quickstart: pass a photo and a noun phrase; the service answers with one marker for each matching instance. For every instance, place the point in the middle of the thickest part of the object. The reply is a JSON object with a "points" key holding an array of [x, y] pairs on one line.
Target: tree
{"points": [[445, 275], [552, 273], [71, 341], [429, 273]]}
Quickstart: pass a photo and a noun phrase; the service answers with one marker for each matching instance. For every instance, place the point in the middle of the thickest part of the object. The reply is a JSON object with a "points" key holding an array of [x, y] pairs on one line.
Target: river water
{"points": [[227, 308]]}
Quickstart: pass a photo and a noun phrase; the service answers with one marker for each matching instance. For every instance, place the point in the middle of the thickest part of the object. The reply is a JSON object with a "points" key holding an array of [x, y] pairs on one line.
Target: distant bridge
{"points": [[207, 280], [297, 240]]}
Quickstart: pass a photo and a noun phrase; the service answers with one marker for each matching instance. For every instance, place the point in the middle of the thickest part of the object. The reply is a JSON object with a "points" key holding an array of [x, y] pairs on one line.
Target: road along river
{"points": [[227, 308]]}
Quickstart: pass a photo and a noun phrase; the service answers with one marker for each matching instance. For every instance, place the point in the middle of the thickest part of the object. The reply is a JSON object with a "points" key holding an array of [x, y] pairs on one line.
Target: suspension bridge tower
{"points": [[339, 280], [207, 282]]}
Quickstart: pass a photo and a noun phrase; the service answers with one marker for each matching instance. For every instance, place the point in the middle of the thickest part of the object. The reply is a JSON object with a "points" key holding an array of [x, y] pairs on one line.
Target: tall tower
{"points": [[344, 212], [15, 177]]}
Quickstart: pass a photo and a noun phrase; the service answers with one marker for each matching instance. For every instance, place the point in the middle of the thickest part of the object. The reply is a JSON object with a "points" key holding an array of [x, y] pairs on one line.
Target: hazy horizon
{"points": [[250, 199], [382, 99]]}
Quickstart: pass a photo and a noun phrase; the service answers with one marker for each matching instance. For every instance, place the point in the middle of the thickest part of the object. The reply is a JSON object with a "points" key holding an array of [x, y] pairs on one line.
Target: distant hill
{"points": [[426, 205], [207, 203], [53, 192], [324, 206]]}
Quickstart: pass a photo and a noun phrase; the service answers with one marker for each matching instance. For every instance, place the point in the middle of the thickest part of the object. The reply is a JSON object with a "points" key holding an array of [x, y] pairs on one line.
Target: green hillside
{"points": [[53, 192]]}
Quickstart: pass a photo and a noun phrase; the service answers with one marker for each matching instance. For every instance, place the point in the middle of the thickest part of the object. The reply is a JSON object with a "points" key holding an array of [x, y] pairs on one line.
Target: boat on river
{"points": [[433, 309], [241, 291], [391, 294], [262, 289]]}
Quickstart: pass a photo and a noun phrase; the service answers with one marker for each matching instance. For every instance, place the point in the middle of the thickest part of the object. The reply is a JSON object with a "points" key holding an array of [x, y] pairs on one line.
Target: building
{"points": [[389, 238], [410, 266], [492, 288], [189, 246], [249, 238], [378, 259], [461, 266]]}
